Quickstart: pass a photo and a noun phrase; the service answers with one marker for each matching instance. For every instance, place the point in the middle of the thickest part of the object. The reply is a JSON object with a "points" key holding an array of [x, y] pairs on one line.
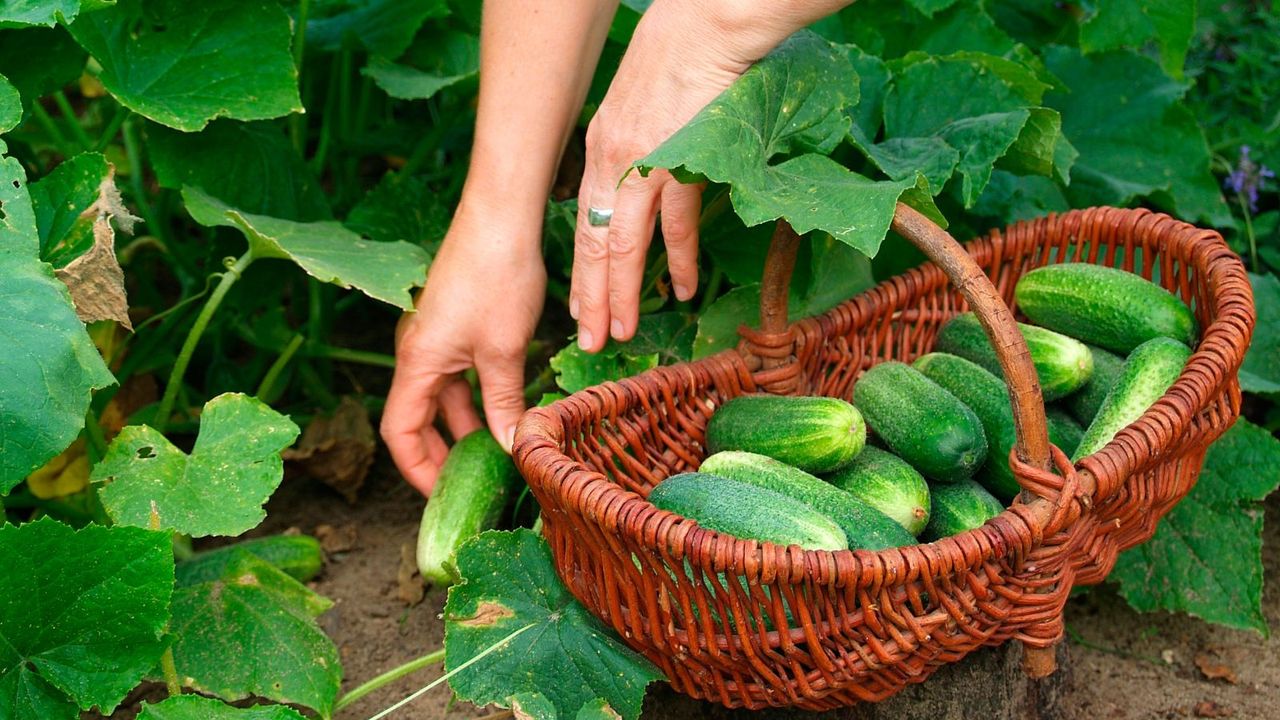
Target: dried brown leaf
{"points": [[336, 539], [338, 449], [96, 281], [1211, 709], [1213, 670]]}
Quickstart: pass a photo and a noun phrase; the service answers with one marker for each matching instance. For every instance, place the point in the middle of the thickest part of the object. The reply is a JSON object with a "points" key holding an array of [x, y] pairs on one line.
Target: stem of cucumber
{"points": [[388, 677]]}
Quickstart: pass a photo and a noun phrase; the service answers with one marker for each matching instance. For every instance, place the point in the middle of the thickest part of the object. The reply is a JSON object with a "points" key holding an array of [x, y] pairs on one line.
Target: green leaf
{"points": [[1206, 556], [790, 102], [250, 166], [194, 707], [325, 250], [1260, 372], [929, 7], [10, 106], [183, 64], [1133, 23], [891, 28], [401, 208], [218, 489], [577, 369], [383, 27], [567, 656], [38, 12], [60, 198], [252, 632], [447, 57], [1134, 138], [82, 615], [39, 60], [718, 324], [1009, 198], [50, 367]]}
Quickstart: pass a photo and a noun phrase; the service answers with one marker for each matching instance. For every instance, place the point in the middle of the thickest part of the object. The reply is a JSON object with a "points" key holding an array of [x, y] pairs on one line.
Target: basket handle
{"points": [[1032, 444]]}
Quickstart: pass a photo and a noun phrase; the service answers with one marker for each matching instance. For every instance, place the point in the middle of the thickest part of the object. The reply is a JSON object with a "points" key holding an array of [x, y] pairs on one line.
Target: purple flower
{"points": [[1246, 178]]}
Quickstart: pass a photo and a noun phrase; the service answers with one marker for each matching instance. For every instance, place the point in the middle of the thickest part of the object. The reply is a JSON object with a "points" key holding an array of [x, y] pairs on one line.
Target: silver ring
{"points": [[599, 217]]}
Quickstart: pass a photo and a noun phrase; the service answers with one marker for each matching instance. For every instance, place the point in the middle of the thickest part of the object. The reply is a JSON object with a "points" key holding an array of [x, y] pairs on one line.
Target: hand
{"points": [[481, 302], [683, 54]]}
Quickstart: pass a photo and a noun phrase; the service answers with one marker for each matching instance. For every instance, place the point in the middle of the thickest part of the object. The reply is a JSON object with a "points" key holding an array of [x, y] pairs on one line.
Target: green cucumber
{"points": [[1084, 403], [959, 507], [1064, 431], [1115, 309], [747, 511], [474, 484], [1063, 364], [988, 397], [889, 484], [815, 434], [299, 556], [921, 422], [1146, 375], [863, 525]]}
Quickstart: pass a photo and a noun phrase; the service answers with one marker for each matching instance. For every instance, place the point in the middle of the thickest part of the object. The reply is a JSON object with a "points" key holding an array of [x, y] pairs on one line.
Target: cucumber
{"points": [[1112, 308], [1084, 403], [889, 484], [863, 525], [1064, 431], [474, 484], [988, 397], [747, 511], [815, 434], [299, 556], [1146, 375], [921, 422], [1063, 364], [959, 507]]}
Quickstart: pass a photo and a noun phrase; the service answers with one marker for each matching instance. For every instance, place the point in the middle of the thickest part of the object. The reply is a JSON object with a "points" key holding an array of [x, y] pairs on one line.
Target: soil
{"points": [[1125, 665]]}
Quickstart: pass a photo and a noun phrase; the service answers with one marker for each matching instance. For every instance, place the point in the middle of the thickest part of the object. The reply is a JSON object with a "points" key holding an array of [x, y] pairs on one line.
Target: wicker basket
{"points": [[751, 624]]}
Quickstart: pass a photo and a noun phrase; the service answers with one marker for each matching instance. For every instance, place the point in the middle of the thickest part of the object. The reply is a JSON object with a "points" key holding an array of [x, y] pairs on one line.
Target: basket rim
{"points": [[1020, 527]]}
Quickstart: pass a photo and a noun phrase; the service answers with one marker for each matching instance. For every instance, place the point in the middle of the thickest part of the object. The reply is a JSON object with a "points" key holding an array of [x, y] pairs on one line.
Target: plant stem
{"points": [[228, 279], [69, 113], [268, 384], [712, 288], [131, 149], [1248, 231], [51, 128], [93, 432], [363, 357], [298, 121], [112, 128], [170, 670], [388, 677]]}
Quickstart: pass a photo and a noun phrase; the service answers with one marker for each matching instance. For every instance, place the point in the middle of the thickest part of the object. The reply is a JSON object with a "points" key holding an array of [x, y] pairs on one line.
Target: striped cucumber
{"points": [[1063, 364], [747, 511], [863, 525], [1085, 402], [960, 507], [1115, 309], [921, 422], [889, 484], [815, 434], [1146, 375]]}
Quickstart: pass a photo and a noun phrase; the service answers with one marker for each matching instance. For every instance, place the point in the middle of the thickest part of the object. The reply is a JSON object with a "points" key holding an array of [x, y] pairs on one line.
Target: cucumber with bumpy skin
{"points": [[863, 525], [887, 483], [921, 422], [815, 434], [1146, 375], [470, 494], [747, 511], [298, 556], [1062, 364], [960, 507], [1115, 309], [1084, 403]]}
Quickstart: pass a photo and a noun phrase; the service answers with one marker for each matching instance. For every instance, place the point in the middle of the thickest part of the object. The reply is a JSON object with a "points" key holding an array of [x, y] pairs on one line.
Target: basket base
{"points": [[989, 684]]}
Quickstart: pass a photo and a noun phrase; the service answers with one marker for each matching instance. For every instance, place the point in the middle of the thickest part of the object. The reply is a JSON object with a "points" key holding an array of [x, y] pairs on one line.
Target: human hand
{"points": [[478, 309]]}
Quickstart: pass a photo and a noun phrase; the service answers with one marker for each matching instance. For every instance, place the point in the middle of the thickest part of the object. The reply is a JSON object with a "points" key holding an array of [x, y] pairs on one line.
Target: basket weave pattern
{"points": [[752, 624]]}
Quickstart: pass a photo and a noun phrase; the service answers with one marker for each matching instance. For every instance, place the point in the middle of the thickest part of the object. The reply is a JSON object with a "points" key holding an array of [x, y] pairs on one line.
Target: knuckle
{"points": [[592, 247], [623, 241], [678, 230]]}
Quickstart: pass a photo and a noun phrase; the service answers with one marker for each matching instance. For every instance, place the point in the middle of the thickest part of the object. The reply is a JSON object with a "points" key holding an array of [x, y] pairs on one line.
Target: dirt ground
{"points": [[1125, 665]]}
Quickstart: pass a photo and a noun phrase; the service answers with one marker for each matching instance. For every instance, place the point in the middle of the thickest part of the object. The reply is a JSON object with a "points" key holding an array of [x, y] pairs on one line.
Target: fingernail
{"points": [[508, 437], [616, 329], [584, 338], [683, 293], [573, 308]]}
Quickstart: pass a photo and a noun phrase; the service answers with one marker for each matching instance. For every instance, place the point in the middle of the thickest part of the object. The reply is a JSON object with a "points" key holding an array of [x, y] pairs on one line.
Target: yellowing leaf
{"points": [[66, 474]]}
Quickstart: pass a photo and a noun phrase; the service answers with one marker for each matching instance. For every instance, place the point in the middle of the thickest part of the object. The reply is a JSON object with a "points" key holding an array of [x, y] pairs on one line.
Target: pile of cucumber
{"points": [[799, 471]]}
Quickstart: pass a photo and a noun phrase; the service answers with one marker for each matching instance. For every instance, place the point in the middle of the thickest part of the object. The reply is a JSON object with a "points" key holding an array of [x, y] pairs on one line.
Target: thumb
{"points": [[502, 389]]}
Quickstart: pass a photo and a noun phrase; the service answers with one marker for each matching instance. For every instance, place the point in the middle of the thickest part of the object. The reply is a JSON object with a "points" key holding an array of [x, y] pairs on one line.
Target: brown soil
{"points": [[1125, 665]]}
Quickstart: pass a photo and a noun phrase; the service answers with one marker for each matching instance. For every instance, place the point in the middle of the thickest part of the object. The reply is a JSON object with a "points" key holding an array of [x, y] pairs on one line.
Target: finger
{"points": [[630, 232], [681, 208], [459, 412], [589, 295], [416, 448], [502, 387]]}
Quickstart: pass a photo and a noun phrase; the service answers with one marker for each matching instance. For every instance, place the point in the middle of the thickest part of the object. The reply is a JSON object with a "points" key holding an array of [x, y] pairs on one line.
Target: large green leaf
{"points": [[82, 615], [383, 27], [49, 367], [790, 104], [194, 707], [60, 198], [252, 632], [39, 60], [436, 61], [563, 662], [892, 28], [401, 208], [325, 250], [1135, 139], [250, 166], [218, 489], [45, 12], [183, 64], [1133, 23], [660, 339], [1261, 369], [10, 105], [1206, 556]]}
